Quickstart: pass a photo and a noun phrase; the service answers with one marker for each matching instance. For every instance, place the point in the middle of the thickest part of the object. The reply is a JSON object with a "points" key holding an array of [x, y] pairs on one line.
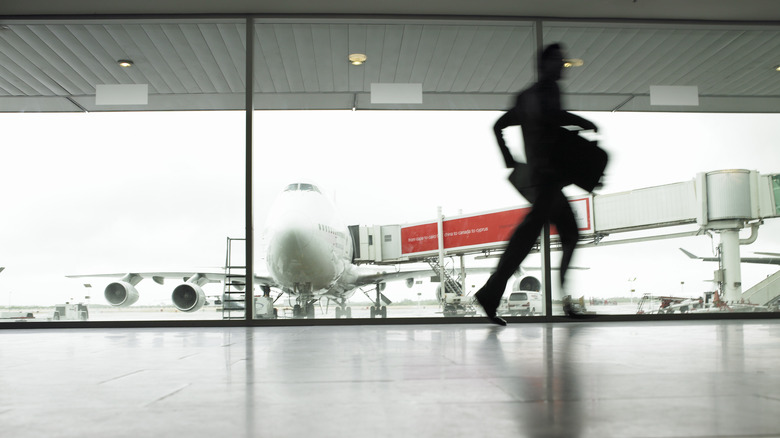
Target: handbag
{"points": [[578, 161]]}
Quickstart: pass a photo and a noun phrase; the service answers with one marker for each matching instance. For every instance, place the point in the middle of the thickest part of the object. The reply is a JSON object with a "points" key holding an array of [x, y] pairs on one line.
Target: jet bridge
{"points": [[722, 201]]}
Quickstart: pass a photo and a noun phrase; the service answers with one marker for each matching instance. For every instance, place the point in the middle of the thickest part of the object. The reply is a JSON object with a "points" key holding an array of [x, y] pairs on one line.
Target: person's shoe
{"points": [[574, 311], [495, 319], [489, 309]]}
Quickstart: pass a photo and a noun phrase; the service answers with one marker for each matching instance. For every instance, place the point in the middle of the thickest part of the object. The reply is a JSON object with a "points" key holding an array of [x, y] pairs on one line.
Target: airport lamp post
{"points": [[87, 286]]}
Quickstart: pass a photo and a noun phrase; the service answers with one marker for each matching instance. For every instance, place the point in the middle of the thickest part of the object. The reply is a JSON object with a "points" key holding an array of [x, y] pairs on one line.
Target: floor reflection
{"points": [[551, 401]]}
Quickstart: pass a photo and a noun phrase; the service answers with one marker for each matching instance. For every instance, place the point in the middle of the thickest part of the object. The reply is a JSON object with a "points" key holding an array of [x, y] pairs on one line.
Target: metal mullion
{"points": [[250, 109]]}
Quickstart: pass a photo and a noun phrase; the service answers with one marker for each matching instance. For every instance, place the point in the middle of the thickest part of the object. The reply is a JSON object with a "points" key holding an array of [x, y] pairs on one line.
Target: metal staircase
{"points": [[450, 295], [451, 284], [234, 286]]}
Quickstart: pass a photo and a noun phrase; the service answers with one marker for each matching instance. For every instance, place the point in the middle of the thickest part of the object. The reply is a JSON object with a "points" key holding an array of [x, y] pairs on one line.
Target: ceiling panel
{"points": [[302, 64], [721, 61]]}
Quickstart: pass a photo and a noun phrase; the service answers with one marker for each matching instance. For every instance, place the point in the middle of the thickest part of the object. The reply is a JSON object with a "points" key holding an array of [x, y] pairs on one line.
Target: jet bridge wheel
{"points": [[310, 310]]}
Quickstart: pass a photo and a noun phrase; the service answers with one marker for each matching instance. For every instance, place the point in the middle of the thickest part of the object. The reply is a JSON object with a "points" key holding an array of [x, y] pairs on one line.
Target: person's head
{"points": [[550, 62]]}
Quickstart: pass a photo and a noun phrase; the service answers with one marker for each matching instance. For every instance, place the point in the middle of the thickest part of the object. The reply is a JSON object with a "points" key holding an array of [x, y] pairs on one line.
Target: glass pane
{"points": [[384, 171], [120, 190], [663, 163], [683, 273], [338, 252]]}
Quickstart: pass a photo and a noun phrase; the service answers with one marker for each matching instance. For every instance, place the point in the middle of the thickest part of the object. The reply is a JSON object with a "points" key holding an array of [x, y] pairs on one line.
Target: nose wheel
{"points": [[379, 312], [345, 312], [379, 308], [342, 311], [306, 311]]}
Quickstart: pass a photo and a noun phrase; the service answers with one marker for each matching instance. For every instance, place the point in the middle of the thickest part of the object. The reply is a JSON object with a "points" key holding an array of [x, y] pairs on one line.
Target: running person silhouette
{"points": [[538, 111]]}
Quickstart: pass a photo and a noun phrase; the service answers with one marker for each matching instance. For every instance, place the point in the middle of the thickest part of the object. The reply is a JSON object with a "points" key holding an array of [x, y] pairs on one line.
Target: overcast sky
{"points": [[119, 192]]}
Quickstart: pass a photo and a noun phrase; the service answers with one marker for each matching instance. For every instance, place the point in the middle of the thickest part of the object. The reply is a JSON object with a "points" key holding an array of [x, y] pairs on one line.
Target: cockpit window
{"points": [[302, 187]]}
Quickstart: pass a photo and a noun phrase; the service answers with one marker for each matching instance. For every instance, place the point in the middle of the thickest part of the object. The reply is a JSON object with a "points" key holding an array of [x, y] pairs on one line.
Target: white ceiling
{"points": [[196, 63]]}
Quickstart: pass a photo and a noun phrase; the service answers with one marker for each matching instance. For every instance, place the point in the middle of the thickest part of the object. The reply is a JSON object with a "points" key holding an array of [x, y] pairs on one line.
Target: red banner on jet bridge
{"points": [[481, 229]]}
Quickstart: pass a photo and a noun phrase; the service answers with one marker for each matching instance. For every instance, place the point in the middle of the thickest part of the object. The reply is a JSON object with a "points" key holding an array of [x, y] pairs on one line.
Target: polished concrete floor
{"points": [[659, 379]]}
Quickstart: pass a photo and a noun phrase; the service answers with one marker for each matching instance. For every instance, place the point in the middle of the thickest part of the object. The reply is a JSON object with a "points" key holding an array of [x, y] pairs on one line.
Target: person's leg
{"points": [[520, 244], [564, 220]]}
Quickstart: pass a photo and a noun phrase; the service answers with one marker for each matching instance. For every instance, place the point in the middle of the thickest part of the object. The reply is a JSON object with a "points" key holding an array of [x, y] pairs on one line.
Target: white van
{"points": [[524, 303]]}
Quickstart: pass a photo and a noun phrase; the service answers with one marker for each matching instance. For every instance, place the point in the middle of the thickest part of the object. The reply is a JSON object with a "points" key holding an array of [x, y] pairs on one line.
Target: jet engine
{"points": [[527, 283], [188, 297], [121, 294]]}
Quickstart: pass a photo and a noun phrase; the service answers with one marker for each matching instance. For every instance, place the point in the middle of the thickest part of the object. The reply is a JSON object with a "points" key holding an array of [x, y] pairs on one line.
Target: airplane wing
{"points": [[757, 260], [367, 276], [159, 277], [187, 296]]}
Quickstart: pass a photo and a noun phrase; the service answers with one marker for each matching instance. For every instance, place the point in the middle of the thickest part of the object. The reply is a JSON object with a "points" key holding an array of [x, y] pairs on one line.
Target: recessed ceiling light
{"points": [[777, 68], [568, 63], [125, 63], [357, 58]]}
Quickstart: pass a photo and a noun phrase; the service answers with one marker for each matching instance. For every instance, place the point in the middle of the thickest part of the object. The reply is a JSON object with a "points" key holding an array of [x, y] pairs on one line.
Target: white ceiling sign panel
{"points": [[676, 95], [122, 94], [396, 93]]}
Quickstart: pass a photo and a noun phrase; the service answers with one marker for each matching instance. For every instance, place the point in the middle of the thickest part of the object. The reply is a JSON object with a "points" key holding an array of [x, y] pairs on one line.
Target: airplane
{"points": [[309, 256], [775, 260]]}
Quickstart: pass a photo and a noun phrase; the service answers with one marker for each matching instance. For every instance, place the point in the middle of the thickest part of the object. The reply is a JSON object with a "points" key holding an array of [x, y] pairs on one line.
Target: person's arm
{"points": [[508, 119], [569, 119]]}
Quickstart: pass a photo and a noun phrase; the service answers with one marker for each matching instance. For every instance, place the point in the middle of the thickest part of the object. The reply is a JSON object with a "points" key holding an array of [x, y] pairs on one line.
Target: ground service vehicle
{"points": [[524, 303], [69, 311]]}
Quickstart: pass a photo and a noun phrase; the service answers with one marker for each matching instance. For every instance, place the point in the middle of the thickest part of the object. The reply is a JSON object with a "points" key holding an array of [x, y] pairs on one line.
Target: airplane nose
{"points": [[294, 240], [289, 253]]}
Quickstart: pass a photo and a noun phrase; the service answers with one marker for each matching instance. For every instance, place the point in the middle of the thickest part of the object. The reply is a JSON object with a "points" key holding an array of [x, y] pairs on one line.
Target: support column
{"points": [[440, 227], [249, 294], [732, 277], [544, 250], [463, 276]]}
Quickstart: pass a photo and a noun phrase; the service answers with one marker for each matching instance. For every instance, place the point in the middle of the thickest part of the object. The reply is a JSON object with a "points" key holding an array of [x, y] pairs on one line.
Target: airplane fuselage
{"points": [[309, 249]]}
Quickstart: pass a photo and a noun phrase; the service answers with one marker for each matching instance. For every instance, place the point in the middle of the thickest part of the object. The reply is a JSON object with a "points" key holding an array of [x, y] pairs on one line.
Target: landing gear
{"points": [[378, 309], [343, 311], [380, 312], [304, 302], [305, 311]]}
